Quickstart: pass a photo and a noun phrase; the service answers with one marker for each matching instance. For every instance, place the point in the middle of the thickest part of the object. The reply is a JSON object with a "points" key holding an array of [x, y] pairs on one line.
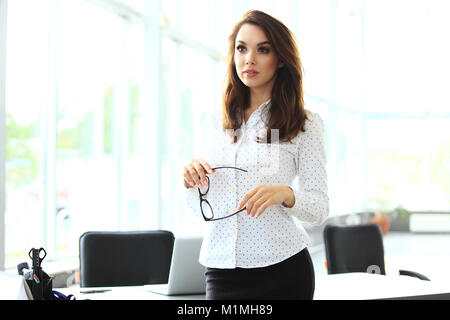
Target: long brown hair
{"points": [[287, 112]]}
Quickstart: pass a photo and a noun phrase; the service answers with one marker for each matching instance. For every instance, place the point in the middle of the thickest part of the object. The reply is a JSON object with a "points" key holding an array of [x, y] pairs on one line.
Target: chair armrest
{"points": [[413, 274]]}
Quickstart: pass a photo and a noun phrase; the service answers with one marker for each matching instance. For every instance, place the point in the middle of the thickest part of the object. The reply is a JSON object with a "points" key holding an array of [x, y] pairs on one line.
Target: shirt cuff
{"points": [[309, 207]]}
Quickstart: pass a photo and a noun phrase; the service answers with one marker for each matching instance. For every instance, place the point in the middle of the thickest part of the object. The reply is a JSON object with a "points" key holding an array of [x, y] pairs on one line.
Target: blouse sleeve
{"points": [[311, 197]]}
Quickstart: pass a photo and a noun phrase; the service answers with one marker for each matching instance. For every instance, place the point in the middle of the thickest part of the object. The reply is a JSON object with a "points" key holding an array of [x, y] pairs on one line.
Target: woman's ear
{"points": [[280, 64]]}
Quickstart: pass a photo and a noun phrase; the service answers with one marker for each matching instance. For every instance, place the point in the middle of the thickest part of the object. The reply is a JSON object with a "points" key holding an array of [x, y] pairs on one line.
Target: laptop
{"points": [[186, 275], [14, 287]]}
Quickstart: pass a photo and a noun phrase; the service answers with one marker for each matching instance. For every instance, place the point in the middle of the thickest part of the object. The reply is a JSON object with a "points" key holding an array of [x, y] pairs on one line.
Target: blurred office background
{"points": [[105, 102]]}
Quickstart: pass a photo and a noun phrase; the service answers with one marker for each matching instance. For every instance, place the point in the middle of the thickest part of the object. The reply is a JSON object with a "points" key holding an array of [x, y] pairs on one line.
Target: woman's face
{"points": [[255, 60]]}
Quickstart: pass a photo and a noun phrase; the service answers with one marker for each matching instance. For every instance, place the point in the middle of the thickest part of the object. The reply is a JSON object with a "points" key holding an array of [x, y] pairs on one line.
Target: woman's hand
{"points": [[194, 173], [260, 197]]}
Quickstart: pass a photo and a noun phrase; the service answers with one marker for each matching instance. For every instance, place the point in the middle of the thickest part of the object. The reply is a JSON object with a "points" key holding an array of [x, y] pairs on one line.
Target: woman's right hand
{"points": [[194, 173]]}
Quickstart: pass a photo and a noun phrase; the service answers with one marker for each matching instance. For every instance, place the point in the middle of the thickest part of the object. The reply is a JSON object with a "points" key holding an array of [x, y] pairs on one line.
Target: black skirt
{"points": [[290, 279]]}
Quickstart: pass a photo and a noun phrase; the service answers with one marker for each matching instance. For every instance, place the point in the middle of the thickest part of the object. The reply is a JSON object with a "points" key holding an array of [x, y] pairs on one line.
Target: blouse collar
{"points": [[257, 114]]}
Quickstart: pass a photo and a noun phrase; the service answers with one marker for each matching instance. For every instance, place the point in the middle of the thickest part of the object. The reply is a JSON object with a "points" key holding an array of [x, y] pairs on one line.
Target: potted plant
{"points": [[400, 219], [383, 220]]}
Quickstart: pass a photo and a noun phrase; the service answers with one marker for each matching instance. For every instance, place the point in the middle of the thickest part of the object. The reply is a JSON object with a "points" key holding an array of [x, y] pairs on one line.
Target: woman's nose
{"points": [[250, 58]]}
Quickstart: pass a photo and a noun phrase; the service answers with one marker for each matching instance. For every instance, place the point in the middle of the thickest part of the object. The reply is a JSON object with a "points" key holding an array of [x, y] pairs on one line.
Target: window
{"points": [[407, 70], [26, 102], [73, 118], [408, 166], [91, 109]]}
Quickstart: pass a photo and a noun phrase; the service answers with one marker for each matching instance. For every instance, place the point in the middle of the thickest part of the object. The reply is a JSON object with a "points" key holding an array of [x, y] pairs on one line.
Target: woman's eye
{"points": [[260, 49]]}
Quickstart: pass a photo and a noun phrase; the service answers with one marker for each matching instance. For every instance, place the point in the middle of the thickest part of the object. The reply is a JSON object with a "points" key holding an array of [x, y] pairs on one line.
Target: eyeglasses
{"points": [[207, 211]]}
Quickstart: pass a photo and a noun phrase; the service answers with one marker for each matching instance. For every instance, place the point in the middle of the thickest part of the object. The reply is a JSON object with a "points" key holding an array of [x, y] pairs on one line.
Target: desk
{"points": [[124, 293], [362, 286], [344, 286]]}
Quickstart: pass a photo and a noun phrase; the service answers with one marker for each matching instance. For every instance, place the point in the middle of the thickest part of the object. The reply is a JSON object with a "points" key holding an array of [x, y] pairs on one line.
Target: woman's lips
{"points": [[251, 73]]}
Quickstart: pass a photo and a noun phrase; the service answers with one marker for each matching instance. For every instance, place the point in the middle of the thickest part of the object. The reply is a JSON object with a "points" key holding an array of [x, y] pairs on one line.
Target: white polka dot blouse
{"points": [[248, 242]]}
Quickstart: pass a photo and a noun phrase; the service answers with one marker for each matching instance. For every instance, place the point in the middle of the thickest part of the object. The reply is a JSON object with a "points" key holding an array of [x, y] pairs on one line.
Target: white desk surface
{"points": [[124, 293], [361, 286], [428, 254], [345, 286]]}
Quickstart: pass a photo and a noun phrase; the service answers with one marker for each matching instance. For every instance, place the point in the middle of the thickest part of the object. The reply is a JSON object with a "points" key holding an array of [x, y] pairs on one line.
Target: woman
{"points": [[260, 252]]}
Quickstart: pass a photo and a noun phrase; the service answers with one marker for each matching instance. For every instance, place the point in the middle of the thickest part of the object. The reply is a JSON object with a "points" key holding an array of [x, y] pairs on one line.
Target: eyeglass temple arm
{"points": [[215, 219], [229, 168]]}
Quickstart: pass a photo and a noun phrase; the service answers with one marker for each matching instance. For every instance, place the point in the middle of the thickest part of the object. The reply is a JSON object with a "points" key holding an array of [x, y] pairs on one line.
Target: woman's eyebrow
{"points": [[259, 44]]}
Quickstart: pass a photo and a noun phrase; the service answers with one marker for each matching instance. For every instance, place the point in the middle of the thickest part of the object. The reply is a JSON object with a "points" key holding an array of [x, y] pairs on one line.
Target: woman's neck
{"points": [[257, 99], [260, 95]]}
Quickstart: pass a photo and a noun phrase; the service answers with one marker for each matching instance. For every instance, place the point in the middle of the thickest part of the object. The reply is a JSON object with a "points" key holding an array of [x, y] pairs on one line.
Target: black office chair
{"points": [[134, 258], [357, 248]]}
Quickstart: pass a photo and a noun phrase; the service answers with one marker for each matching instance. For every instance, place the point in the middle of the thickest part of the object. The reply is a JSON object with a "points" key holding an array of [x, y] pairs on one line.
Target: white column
{"points": [[48, 129], [122, 128], [365, 147], [3, 16], [151, 207]]}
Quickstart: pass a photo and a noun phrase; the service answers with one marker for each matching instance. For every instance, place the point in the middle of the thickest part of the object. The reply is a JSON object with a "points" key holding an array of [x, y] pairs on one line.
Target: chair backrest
{"points": [[354, 248], [125, 258]]}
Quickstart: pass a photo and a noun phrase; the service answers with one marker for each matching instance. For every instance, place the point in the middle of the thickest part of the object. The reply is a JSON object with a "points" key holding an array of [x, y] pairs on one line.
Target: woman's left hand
{"points": [[260, 197]]}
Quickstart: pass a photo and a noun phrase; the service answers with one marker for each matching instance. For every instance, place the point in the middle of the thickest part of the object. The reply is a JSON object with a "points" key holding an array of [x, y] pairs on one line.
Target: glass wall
{"points": [[26, 106], [407, 107], [73, 105], [84, 98]]}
